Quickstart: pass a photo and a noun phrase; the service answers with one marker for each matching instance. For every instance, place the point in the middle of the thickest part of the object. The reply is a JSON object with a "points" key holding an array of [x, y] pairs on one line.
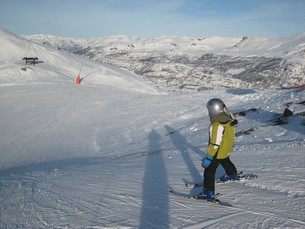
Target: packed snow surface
{"points": [[104, 153]]}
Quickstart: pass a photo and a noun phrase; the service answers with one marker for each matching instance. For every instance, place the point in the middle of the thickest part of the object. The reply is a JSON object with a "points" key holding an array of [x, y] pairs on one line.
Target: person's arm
{"points": [[216, 133]]}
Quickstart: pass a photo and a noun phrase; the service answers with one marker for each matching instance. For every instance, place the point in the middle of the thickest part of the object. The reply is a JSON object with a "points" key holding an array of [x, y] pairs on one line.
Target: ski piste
{"points": [[190, 197], [240, 177]]}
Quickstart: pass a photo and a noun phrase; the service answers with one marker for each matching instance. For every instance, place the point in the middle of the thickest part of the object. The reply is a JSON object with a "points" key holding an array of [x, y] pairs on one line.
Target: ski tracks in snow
{"points": [[274, 208], [259, 207]]}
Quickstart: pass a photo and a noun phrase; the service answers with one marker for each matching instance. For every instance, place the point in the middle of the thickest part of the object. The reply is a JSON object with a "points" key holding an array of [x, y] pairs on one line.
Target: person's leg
{"points": [[209, 181], [229, 167], [209, 176]]}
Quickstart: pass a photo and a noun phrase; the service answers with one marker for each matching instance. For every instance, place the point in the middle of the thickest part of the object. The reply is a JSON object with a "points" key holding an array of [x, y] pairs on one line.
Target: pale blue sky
{"points": [[100, 18]]}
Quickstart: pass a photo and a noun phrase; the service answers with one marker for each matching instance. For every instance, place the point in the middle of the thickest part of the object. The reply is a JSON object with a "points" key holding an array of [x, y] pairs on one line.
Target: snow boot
{"points": [[225, 178], [207, 195]]}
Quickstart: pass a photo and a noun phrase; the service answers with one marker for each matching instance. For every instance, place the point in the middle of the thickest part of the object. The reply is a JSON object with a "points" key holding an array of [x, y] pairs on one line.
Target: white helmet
{"points": [[215, 106]]}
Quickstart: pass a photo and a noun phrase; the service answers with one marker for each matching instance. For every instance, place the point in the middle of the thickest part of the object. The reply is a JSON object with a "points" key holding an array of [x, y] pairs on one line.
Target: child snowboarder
{"points": [[221, 141]]}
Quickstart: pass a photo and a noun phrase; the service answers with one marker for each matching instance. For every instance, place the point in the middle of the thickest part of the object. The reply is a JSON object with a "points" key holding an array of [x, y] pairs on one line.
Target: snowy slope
{"points": [[102, 154], [55, 66]]}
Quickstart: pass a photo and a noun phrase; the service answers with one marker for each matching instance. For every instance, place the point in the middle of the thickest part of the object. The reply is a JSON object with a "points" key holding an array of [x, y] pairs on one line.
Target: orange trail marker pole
{"points": [[77, 79]]}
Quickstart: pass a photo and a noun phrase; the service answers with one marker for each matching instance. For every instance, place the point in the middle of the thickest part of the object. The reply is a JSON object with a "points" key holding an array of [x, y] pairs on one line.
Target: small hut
{"points": [[30, 60]]}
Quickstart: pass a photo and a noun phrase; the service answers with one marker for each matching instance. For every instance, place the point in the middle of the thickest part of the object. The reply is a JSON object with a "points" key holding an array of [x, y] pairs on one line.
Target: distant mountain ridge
{"points": [[189, 63]]}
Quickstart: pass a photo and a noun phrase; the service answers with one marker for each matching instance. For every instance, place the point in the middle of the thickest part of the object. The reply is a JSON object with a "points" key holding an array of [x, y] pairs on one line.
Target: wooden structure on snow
{"points": [[30, 60]]}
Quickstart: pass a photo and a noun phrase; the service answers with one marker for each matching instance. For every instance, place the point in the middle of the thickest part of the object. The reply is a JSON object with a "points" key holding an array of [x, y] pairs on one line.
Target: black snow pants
{"points": [[209, 173]]}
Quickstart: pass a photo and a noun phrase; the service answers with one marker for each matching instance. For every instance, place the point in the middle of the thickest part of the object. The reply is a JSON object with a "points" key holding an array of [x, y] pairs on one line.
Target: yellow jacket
{"points": [[221, 139]]}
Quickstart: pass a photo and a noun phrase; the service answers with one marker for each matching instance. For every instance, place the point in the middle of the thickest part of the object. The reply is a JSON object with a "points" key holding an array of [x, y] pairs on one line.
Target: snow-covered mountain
{"points": [[189, 63], [57, 66], [103, 154]]}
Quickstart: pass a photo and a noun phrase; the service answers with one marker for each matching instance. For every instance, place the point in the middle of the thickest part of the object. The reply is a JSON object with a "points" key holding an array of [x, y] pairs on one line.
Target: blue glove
{"points": [[206, 161]]}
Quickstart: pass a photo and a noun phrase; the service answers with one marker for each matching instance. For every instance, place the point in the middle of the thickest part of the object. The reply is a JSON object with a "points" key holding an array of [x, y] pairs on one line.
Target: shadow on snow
{"points": [[155, 206]]}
